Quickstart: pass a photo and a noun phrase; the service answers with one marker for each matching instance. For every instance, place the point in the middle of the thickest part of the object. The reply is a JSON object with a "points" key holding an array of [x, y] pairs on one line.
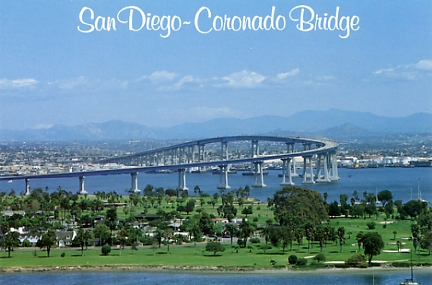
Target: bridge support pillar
{"points": [[308, 176], [27, 193], [82, 191], [134, 183], [294, 168], [286, 170], [334, 170], [258, 175], [223, 184], [181, 179], [325, 177], [255, 148]]}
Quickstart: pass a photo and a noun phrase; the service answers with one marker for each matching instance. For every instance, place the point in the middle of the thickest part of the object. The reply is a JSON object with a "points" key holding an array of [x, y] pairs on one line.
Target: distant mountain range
{"points": [[332, 123]]}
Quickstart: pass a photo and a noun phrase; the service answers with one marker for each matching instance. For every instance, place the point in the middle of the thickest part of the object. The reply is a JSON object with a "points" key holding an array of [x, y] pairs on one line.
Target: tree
{"points": [[148, 190], [48, 239], [197, 190], [341, 233], [102, 231], [214, 247], [344, 205], [285, 237], [246, 228], [190, 205], [372, 244], [106, 249], [295, 206], [10, 241], [385, 196], [247, 211], [82, 238], [359, 238], [231, 228], [111, 219], [320, 235], [426, 240], [334, 209], [414, 207], [168, 235]]}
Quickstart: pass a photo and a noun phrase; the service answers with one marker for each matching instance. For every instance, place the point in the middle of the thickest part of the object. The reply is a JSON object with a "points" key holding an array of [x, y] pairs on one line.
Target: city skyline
{"points": [[55, 70]]}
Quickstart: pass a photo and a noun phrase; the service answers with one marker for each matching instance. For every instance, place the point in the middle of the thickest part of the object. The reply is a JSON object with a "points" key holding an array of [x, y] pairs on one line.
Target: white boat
{"points": [[410, 281]]}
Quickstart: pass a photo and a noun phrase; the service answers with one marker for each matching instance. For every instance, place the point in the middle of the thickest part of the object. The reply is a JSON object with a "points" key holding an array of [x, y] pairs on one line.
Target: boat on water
{"points": [[217, 171], [251, 173], [410, 281]]}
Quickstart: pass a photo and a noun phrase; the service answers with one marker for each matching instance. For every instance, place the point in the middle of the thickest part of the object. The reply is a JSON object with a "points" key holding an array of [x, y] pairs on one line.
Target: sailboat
{"points": [[410, 281]]}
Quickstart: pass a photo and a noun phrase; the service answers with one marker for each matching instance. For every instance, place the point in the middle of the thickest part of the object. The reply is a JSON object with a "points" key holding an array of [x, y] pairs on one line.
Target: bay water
{"points": [[404, 183]]}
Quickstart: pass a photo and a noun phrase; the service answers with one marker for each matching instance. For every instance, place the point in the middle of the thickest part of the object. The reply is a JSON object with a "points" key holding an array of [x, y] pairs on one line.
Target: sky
{"points": [[162, 63]]}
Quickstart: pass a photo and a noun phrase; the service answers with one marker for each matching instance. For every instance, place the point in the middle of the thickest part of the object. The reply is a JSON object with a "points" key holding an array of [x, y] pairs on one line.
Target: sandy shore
{"points": [[206, 270]]}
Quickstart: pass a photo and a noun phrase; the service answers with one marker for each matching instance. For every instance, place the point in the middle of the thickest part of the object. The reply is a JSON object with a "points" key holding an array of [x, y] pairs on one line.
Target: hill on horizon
{"points": [[324, 123]]}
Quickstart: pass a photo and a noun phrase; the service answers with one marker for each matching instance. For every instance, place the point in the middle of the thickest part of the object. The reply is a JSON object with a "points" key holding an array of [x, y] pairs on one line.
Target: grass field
{"points": [[188, 255]]}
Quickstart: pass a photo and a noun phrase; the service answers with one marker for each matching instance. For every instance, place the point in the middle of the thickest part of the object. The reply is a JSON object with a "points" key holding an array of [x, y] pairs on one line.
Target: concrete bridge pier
{"points": [[134, 183], [181, 179], [82, 191], [325, 177], [258, 175], [334, 170], [27, 193], [286, 170], [223, 183], [294, 168], [308, 176]]}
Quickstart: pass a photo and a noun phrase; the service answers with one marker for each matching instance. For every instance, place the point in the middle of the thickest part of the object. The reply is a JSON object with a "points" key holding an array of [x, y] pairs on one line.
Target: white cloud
{"points": [[17, 83], [409, 72], [243, 79], [424, 64], [159, 77], [384, 70], [70, 83], [292, 73]]}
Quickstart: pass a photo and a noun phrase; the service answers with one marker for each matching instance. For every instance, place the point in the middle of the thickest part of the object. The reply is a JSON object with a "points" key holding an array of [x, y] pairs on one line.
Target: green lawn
{"points": [[195, 256]]}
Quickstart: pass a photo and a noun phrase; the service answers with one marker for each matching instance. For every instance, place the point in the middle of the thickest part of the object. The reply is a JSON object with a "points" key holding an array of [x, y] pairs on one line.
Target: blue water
{"points": [[379, 277], [404, 183]]}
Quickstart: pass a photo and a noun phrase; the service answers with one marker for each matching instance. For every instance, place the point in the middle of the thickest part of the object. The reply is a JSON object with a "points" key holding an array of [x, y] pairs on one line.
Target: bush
{"points": [[320, 257], [26, 243], [63, 254], [254, 240], [355, 260], [106, 249], [301, 261], [146, 240], [371, 225], [292, 259]]}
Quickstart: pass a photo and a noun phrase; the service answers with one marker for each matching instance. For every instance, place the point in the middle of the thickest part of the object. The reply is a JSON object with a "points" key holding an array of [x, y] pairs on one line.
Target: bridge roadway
{"points": [[324, 155]]}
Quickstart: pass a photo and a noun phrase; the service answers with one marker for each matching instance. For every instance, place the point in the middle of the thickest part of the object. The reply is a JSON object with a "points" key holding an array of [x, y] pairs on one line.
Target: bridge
{"points": [[318, 156]]}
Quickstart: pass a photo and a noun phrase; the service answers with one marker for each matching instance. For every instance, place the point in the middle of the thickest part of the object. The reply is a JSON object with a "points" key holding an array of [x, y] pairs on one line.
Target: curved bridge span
{"points": [[316, 156]]}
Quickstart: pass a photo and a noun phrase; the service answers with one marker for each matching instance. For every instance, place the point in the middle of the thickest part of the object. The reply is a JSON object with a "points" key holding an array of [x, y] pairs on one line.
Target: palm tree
{"points": [[231, 228], [47, 240], [10, 241], [341, 233], [83, 237]]}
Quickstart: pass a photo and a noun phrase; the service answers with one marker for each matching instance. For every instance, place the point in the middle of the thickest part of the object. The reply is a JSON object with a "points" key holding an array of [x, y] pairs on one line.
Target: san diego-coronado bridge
{"points": [[318, 156]]}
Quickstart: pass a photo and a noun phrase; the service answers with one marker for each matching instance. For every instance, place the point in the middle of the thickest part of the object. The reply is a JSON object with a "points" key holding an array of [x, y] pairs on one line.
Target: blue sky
{"points": [[51, 73]]}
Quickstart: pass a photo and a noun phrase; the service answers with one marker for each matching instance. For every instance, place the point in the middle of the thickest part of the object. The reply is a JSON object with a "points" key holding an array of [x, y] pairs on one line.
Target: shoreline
{"points": [[204, 270]]}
